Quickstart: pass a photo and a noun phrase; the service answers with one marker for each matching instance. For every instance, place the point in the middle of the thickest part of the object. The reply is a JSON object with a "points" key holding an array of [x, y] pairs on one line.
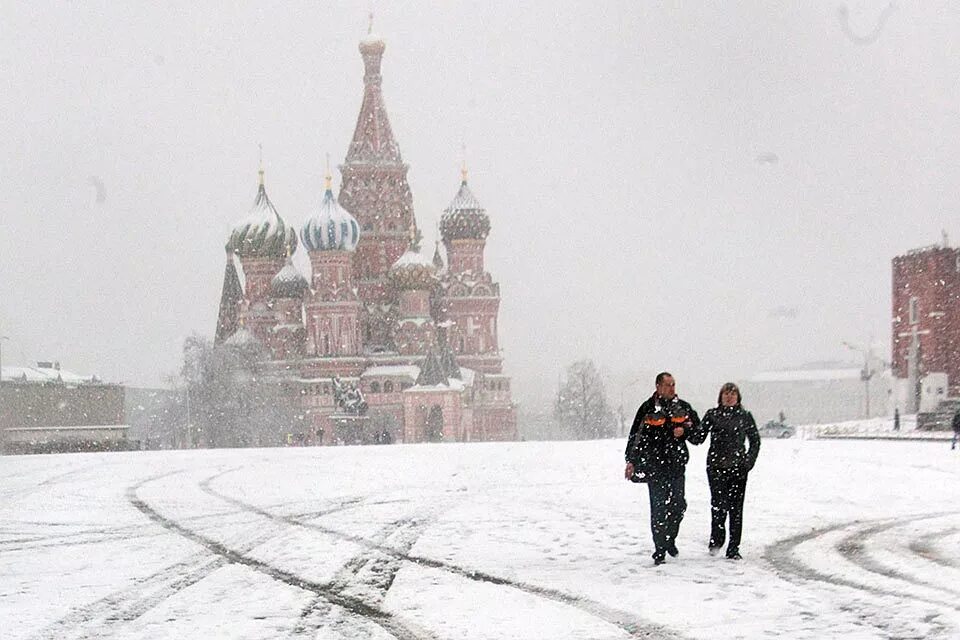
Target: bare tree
{"points": [[581, 408], [231, 403]]}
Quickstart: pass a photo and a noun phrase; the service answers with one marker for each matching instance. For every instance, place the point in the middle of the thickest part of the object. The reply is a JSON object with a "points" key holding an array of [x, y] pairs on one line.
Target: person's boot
{"points": [[713, 550], [733, 554], [658, 558], [672, 550]]}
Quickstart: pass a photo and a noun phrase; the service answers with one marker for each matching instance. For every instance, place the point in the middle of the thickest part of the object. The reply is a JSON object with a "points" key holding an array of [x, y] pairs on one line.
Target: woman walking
{"points": [[728, 463]]}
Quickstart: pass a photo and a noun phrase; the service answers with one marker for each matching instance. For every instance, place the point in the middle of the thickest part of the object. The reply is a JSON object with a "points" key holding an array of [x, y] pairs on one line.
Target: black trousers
{"points": [[667, 505], [727, 490]]}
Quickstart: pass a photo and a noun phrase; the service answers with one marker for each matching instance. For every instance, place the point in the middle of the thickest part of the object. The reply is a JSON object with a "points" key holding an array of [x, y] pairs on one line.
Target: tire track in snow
{"points": [[855, 548], [924, 547], [368, 575], [48, 482], [625, 621], [781, 556], [355, 606]]}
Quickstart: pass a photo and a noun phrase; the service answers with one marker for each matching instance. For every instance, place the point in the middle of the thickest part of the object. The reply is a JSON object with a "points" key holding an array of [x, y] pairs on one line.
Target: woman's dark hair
{"points": [[728, 386]]}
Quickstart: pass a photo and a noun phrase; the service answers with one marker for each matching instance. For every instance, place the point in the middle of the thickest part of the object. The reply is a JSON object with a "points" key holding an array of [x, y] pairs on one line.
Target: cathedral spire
{"points": [[373, 140]]}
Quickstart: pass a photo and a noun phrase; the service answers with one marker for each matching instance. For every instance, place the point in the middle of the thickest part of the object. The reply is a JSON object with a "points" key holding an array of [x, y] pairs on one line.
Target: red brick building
{"points": [[418, 337], [926, 325]]}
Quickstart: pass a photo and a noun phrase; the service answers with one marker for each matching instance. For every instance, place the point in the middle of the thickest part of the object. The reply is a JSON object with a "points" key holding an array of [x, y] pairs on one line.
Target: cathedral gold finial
{"points": [[327, 178], [463, 163], [260, 146], [370, 23]]}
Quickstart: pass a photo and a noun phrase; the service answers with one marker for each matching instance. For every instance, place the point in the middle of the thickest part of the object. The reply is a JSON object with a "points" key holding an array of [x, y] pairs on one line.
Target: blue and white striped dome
{"points": [[331, 228]]}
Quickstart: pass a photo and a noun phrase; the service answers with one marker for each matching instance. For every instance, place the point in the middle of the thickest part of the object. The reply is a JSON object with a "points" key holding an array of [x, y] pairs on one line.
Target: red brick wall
{"points": [[932, 277]]}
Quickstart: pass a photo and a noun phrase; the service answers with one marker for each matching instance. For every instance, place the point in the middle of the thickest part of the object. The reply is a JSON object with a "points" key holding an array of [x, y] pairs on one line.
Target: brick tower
{"points": [[926, 324], [376, 192]]}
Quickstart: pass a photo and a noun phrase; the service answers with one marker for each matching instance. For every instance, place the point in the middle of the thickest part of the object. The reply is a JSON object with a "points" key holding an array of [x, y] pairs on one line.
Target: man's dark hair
{"points": [[662, 375]]}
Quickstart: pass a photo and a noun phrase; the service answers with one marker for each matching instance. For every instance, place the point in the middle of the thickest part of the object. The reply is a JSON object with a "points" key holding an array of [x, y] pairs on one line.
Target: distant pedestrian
{"points": [[657, 454], [729, 426], [896, 419], [956, 430]]}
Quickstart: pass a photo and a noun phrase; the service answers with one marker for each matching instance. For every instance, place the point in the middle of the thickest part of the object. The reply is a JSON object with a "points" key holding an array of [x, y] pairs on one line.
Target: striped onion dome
{"points": [[262, 233], [412, 270], [331, 228], [288, 283], [465, 218]]}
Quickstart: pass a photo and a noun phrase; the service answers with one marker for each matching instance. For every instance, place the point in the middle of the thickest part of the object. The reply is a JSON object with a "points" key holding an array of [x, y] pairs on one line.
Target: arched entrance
{"points": [[434, 430]]}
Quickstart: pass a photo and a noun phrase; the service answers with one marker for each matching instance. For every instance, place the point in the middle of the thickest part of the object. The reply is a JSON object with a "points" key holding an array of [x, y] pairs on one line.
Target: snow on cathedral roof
{"points": [[412, 270], [410, 371], [289, 282], [262, 233], [464, 200], [331, 228], [465, 218]]}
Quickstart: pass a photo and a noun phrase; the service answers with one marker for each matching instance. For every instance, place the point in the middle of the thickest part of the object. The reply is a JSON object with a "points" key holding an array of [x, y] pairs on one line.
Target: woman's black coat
{"points": [[729, 428]]}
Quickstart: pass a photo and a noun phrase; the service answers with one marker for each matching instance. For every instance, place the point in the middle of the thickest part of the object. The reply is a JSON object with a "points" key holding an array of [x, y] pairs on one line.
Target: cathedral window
{"points": [[914, 310], [388, 387], [374, 387]]}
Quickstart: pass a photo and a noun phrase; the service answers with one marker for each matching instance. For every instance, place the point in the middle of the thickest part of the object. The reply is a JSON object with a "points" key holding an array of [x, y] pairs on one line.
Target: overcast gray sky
{"points": [[714, 188]]}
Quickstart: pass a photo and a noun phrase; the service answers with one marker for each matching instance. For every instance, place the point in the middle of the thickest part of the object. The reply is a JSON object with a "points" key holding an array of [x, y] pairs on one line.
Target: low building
{"points": [[48, 409], [826, 392]]}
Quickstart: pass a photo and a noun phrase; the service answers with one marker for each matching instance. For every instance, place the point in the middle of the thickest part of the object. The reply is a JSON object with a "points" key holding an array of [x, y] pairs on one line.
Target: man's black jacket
{"points": [[652, 448], [729, 429]]}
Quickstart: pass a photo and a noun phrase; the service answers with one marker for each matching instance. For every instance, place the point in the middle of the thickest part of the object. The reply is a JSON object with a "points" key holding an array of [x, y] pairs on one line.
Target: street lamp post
{"points": [[869, 369]]}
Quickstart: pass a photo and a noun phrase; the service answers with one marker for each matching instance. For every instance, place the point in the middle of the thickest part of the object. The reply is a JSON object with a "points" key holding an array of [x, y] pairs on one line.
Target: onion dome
{"points": [[465, 218], [372, 43], [263, 233], [288, 283], [412, 270], [331, 228]]}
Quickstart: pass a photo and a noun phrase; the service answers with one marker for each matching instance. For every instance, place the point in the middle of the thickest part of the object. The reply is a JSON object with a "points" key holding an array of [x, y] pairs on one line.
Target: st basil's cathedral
{"points": [[411, 340]]}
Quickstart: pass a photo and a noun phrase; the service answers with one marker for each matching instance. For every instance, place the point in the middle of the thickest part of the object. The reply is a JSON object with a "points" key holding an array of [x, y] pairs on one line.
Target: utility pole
{"points": [[869, 369]]}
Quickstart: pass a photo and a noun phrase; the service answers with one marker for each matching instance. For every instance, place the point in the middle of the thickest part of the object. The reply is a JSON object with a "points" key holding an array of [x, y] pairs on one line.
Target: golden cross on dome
{"points": [[260, 146]]}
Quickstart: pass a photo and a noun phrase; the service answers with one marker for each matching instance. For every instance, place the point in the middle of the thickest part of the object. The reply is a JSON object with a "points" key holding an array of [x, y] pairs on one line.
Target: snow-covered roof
{"points": [[289, 282], [327, 379], [414, 258], [806, 375], [468, 376], [452, 385], [97, 427], [44, 374], [411, 371], [262, 232], [464, 200], [331, 228], [242, 337]]}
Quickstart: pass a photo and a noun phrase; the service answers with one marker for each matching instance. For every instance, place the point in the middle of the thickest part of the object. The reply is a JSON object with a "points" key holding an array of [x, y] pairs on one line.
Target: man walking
{"points": [[657, 454]]}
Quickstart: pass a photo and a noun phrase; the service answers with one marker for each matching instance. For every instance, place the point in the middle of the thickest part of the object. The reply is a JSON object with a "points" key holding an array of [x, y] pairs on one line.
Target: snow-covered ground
{"points": [[852, 539]]}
